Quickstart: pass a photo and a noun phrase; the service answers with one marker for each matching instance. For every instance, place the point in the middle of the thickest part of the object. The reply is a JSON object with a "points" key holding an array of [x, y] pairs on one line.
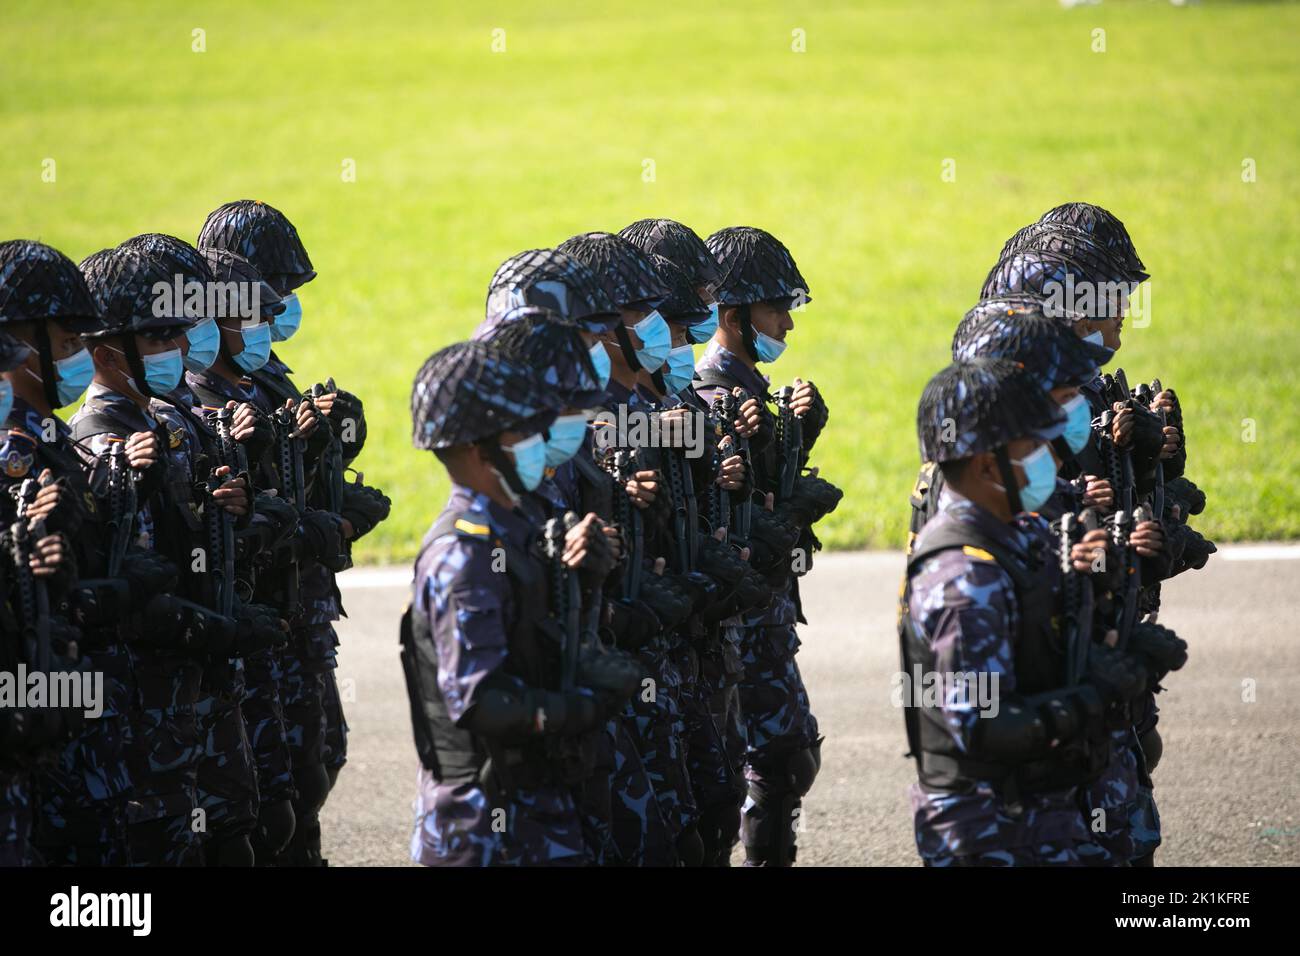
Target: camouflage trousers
{"points": [[641, 836], [316, 733], [80, 801], [457, 825], [163, 754], [263, 715], [1144, 824], [660, 733], [16, 820], [778, 724], [227, 775]]}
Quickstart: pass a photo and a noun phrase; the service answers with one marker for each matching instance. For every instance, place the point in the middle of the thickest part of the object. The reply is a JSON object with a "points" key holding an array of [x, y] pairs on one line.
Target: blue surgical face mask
{"points": [[1040, 468], [287, 322], [6, 399], [1095, 338], [1078, 423], [74, 375], [205, 343], [530, 460], [767, 348], [703, 330], [681, 368], [257, 347], [656, 341], [162, 372], [565, 438], [600, 362]]}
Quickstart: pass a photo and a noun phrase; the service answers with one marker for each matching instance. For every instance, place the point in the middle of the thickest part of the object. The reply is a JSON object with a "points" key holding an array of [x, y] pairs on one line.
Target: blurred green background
{"points": [[464, 156]]}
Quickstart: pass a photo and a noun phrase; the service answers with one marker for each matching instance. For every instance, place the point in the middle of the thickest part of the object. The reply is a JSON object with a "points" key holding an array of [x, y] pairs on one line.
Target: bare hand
{"points": [[1147, 539], [751, 418], [641, 488], [143, 450], [1085, 553], [232, 495], [1098, 493], [731, 473]]}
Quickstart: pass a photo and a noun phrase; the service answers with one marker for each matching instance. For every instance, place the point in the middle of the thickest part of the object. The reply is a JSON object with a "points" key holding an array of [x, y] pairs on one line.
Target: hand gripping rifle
{"points": [[789, 444], [220, 524], [1077, 595], [289, 452], [683, 505], [566, 597], [33, 597], [331, 464], [122, 504], [622, 465]]}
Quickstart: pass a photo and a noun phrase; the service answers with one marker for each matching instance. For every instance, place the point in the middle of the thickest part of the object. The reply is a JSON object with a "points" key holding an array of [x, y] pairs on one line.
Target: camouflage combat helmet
{"points": [[1068, 241], [177, 254], [1104, 228], [265, 237], [12, 352], [979, 406], [682, 304], [227, 267], [755, 267], [1050, 352], [472, 391], [1093, 287], [542, 340], [679, 245], [622, 269], [38, 283], [552, 280], [136, 295]]}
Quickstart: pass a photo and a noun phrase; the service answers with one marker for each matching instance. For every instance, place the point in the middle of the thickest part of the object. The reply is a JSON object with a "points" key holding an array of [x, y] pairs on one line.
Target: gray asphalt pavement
{"points": [[1226, 788]]}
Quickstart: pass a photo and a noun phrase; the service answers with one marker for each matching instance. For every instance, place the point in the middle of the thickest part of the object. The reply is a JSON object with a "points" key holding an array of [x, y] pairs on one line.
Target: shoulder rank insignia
{"points": [[465, 526]]}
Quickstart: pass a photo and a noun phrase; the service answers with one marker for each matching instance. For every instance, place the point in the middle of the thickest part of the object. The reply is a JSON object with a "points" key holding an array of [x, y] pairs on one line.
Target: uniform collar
{"points": [[962, 509], [101, 397], [509, 524], [725, 361]]}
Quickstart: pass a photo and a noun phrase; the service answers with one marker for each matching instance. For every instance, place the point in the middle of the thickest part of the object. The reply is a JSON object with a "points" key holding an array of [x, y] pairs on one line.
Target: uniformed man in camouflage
{"points": [[80, 800], [334, 428], [1003, 734], [759, 285], [497, 709]]}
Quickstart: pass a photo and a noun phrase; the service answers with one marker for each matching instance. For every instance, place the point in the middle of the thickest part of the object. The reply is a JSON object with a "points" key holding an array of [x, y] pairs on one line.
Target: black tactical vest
{"points": [[1040, 666], [454, 754]]}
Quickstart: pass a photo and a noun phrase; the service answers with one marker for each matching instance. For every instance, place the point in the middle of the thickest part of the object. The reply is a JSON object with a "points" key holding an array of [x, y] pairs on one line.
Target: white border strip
{"points": [[368, 578], [1258, 552]]}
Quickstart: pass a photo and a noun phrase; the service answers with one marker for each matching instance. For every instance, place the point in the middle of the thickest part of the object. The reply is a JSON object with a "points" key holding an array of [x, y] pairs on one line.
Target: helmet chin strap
{"points": [[136, 365], [504, 467], [49, 375], [1011, 487], [629, 353], [747, 331]]}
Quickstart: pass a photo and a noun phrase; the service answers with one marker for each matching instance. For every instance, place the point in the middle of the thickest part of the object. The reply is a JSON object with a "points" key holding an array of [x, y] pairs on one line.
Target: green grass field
{"points": [[464, 156]]}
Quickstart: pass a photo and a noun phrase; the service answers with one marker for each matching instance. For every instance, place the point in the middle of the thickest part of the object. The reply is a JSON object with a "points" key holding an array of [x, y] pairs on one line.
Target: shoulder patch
{"points": [[17, 454], [979, 553]]}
